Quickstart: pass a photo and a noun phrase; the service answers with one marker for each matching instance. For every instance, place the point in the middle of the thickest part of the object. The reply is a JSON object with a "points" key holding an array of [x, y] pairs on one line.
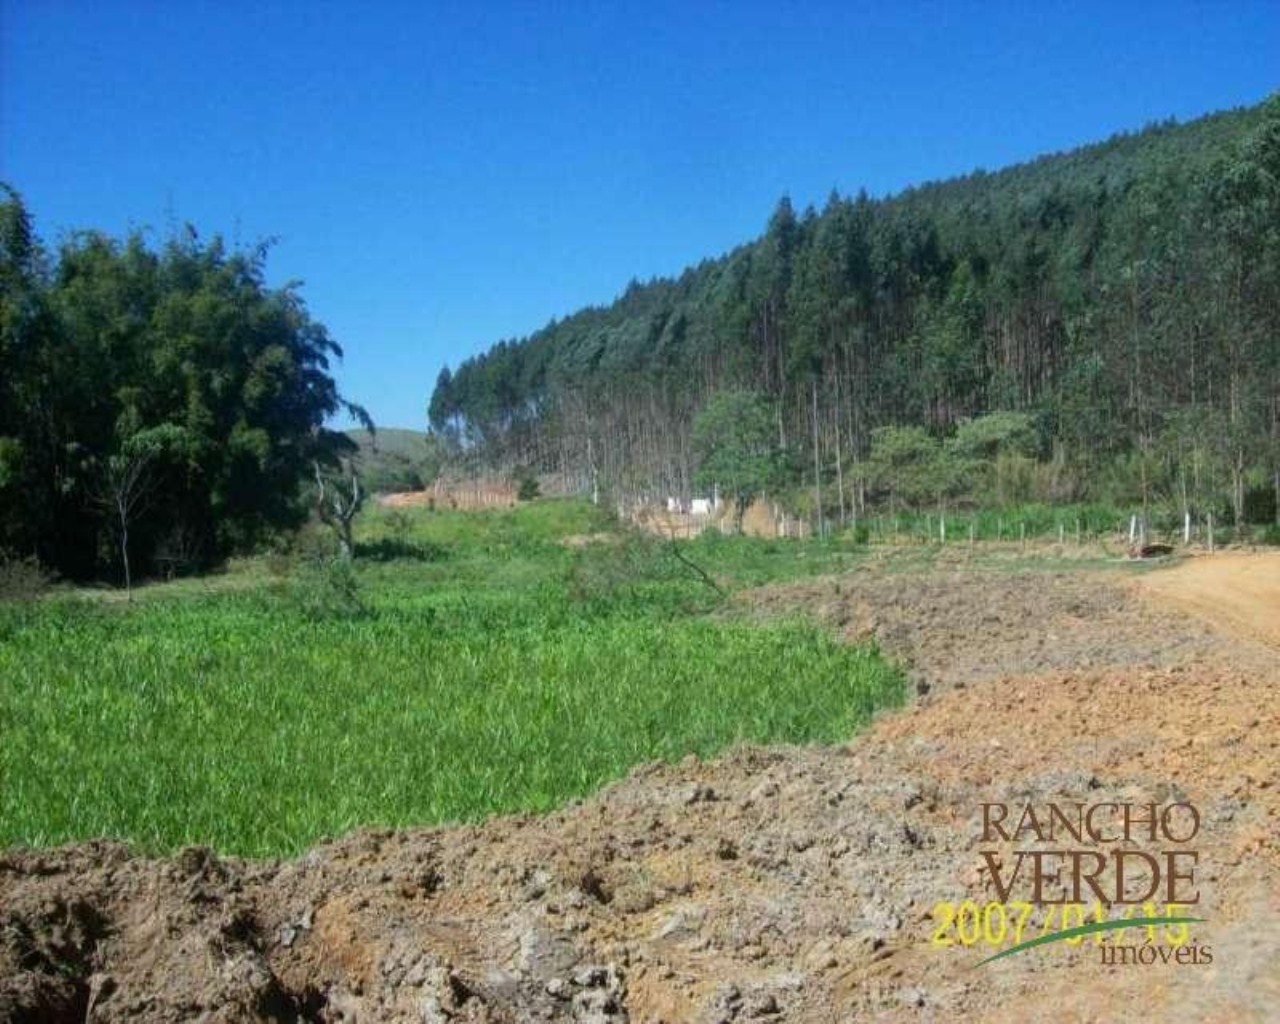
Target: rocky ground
{"points": [[767, 885]]}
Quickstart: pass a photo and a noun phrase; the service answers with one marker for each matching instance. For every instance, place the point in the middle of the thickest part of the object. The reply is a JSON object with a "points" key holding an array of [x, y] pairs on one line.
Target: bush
{"points": [[527, 488], [398, 524], [641, 571], [327, 589], [397, 549], [22, 579]]}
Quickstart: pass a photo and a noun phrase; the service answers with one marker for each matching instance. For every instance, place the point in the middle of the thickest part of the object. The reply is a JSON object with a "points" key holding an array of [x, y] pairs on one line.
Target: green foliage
{"points": [[640, 572], [908, 464], [992, 456], [736, 448], [390, 549], [527, 486], [248, 719], [178, 363], [327, 589], [995, 434]]}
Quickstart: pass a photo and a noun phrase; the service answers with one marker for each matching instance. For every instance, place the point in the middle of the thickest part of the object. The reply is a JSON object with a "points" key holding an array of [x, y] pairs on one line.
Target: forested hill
{"points": [[1123, 299]]}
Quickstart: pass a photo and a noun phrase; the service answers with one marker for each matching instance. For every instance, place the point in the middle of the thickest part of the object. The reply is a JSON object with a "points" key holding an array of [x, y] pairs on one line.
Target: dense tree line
{"points": [[1122, 299], [160, 406]]}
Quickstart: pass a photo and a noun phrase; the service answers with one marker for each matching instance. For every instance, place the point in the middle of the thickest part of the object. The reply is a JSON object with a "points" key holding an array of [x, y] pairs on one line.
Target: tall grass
{"points": [[511, 672]]}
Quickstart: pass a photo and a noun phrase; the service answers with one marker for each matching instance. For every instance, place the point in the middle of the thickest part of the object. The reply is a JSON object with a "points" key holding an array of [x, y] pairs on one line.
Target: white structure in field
{"points": [[696, 506]]}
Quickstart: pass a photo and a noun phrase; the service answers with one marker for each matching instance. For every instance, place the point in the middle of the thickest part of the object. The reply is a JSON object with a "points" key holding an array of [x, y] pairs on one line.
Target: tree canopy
{"points": [[735, 446], [113, 353]]}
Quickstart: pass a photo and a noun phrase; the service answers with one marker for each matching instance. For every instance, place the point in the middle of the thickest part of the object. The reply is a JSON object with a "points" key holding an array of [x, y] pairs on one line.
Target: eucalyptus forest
{"points": [[1096, 325]]}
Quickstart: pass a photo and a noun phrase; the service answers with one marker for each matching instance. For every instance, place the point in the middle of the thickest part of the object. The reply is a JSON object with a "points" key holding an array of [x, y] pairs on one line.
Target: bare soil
{"points": [[1238, 592], [468, 495], [766, 885], [761, 519]]}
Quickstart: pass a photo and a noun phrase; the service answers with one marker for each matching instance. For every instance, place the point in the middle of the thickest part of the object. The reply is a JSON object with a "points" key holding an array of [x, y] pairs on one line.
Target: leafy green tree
{"points": [[177, 372], [908, 463], [990, 450], [126, 479], [736, 448]]}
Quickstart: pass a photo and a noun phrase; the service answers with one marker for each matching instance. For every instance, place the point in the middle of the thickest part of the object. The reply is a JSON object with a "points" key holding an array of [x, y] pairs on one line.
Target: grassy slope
{"points": [[502, 671], [390, 441], [391, 460]]}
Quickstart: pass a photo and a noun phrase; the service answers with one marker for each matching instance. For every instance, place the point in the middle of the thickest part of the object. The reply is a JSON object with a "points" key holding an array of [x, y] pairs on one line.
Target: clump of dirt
{"points": [[766, 885]]}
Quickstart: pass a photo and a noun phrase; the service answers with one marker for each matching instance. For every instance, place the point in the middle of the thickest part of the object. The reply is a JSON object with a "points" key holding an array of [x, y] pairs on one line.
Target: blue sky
{"points": [[442, 175]]}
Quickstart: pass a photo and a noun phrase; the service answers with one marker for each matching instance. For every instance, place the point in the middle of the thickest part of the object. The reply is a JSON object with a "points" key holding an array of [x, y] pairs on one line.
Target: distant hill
{"points": [[395, 460]]}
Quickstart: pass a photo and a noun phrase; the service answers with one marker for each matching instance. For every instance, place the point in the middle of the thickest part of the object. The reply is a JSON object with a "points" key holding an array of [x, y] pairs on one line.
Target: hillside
{"points": [[394, 460], [1124, 298]]}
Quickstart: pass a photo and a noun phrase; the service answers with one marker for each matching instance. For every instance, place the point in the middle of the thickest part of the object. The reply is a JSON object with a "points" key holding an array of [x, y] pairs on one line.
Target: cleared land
{"points": [[769, 884]]}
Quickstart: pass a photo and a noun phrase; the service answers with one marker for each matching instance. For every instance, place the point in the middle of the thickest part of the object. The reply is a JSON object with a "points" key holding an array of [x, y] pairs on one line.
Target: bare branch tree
{"points": [[123, 492], [337, 509]]}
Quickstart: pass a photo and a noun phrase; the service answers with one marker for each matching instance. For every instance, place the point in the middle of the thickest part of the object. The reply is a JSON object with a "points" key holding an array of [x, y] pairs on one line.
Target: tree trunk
{"points": [[124, 550], [1237, 488], [817, 469]]}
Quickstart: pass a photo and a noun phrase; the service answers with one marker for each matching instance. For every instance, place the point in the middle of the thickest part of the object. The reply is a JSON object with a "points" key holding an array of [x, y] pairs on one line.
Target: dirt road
{"points": [[768, 885], [1237, 592]]}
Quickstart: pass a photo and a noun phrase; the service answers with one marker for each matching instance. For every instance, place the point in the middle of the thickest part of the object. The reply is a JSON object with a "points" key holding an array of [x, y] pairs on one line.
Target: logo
{"points": [[1121, 876]]}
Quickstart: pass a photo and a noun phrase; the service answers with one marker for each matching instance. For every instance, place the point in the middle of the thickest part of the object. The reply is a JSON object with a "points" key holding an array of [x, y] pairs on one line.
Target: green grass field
{"points": [[478, 665]]}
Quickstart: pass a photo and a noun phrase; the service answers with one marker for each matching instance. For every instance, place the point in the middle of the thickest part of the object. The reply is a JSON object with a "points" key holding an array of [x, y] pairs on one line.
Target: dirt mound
{"points": [[768, 885]]}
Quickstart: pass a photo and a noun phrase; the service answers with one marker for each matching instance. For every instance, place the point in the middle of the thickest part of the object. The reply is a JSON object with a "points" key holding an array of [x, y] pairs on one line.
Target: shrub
{"points": [[22, 579], [527, 488], [394, 549], [327, 589]]}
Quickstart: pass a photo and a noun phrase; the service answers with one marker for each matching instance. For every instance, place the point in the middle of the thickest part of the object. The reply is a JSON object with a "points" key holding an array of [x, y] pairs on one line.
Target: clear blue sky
{"points": [[442, 175]]}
